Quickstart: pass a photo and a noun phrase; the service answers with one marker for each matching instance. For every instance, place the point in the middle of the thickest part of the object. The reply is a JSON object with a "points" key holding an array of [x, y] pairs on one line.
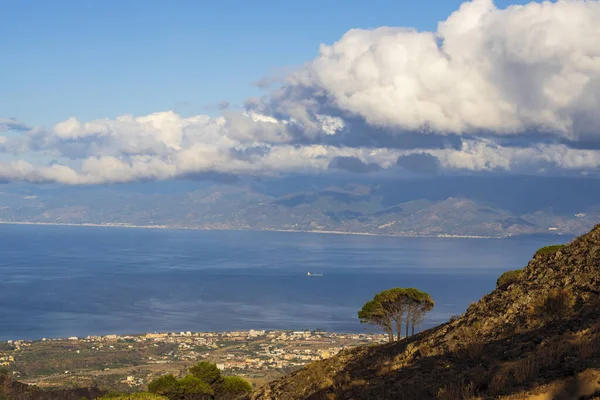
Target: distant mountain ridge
{"points": [[393, 208]]}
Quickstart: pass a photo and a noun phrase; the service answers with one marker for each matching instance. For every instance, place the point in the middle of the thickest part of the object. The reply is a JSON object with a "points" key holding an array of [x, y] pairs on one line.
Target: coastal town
{"points": [[130, 362]]}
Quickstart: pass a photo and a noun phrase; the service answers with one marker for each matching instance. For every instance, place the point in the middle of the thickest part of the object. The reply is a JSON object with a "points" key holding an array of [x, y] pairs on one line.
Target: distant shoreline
{"points": [[108, 225]]}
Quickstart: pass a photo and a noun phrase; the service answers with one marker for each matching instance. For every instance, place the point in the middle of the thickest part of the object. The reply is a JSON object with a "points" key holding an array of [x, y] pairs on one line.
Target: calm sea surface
{"points": [[58, 281]]}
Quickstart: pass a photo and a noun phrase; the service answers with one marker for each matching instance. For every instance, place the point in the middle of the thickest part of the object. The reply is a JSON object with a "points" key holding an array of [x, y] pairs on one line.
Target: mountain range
{"points": [[449, 206]]}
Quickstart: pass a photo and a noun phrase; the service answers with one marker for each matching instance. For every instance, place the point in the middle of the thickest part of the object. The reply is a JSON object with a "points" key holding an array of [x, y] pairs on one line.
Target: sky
{"points": [[118, 91], [102, 59]]}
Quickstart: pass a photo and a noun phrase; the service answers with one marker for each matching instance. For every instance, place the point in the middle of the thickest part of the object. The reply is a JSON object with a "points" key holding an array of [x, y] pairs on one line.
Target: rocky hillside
{"points": [[536, 336]]}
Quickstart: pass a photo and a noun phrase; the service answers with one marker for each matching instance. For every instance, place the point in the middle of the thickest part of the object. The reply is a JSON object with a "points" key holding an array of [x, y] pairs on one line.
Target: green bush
{"points": [[190, 386], [207, 372], [549, 249], [133, 396], [509, 277], [233, 387], [166, 385], [205, 382]]}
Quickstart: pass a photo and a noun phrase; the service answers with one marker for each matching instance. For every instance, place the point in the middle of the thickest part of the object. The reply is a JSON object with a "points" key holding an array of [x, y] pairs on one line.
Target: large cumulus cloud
{"points": [[515, 90], [525, 68]]}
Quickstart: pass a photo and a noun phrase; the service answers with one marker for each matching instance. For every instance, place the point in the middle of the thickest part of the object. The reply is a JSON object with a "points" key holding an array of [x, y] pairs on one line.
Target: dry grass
{"points": [[549, 354], [587, 347], [525, 370], [475, 350], [500, 381], [457, 391], [513, 374], [555, 305]]}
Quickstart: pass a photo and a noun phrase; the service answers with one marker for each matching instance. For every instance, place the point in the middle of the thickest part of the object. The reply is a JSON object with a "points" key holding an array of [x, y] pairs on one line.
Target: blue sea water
{"points": [[59, 281]]}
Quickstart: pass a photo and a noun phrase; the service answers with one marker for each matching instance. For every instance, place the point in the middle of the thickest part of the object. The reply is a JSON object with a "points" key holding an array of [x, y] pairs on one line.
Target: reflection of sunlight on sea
{"points": [[77, 281]]}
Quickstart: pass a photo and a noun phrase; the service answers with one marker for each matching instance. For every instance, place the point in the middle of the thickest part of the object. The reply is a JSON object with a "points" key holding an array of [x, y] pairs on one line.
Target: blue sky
{"points": [[96, 59], [109, 91]]}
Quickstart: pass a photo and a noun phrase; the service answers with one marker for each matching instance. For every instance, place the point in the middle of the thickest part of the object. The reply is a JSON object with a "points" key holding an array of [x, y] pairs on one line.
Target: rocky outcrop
{"points": [[541, 329]]}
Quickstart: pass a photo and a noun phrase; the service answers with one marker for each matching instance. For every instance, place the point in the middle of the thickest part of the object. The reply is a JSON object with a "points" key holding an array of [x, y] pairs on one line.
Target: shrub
{"points": [[587, 347], [475, 350], [549, 354], [233, 387], [191, 386], [457, 391], [549, 249], [500, 382], [205, 382], [165, 385], [207, 372], [509, 277], [468, 333], [555, 305], [525, 370], [133, 396]]}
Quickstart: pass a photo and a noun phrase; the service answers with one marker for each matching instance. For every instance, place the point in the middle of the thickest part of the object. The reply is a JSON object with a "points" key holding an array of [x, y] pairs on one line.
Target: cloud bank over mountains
{"points": [[514, 90]]}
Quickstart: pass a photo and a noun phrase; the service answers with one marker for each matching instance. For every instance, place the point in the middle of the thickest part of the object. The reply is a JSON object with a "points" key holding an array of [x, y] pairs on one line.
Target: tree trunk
{"points": [[391, 336], [399, 329]]}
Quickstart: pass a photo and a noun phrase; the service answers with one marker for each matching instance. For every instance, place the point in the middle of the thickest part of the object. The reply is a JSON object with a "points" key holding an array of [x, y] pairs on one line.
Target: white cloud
{"points": [[485, 155], [531, 71], [505, 71]]}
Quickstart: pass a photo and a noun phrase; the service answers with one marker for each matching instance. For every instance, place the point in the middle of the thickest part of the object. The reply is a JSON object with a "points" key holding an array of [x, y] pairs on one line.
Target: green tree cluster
{"points": [[205, 382], [392, 308], [132, 396]]}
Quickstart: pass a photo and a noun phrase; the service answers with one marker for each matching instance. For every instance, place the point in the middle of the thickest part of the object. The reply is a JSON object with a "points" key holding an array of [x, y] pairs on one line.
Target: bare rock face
{"points": [[539, 330]]}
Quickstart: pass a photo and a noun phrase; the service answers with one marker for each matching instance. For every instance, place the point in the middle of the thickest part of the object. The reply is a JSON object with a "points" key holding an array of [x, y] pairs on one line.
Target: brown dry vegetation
{"points": [[537, 337]]}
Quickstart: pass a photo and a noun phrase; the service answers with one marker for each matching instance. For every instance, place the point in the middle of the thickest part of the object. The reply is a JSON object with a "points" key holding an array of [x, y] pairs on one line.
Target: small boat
{"points": [[313, 274]]}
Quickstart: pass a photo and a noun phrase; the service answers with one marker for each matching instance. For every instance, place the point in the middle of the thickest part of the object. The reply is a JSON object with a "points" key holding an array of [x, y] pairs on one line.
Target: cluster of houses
{"points": [[240, 351]]}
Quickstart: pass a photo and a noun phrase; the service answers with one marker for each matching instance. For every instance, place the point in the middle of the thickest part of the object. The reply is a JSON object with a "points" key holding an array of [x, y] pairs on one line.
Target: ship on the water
{"points": [[313, 274]]}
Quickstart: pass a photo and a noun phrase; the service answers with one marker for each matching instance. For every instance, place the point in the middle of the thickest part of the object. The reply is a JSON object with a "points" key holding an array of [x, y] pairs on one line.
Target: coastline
{"points": [[123, 225]]}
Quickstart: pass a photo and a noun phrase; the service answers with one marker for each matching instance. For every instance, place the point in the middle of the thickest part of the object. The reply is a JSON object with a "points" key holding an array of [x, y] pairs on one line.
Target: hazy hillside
{"points": [[452, 206], [537, 334]]}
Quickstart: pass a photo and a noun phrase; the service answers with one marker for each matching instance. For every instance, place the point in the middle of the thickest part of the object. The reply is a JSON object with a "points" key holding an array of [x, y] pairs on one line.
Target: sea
{"points": [[62, 281]]}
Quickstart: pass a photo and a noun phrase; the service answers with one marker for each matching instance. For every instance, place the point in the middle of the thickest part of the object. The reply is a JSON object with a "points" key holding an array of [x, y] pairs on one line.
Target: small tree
{"points": [[419, 303], [374, 313], [396, 303], [418, 313], [392, 307], [233, 387], [206, 371]]}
